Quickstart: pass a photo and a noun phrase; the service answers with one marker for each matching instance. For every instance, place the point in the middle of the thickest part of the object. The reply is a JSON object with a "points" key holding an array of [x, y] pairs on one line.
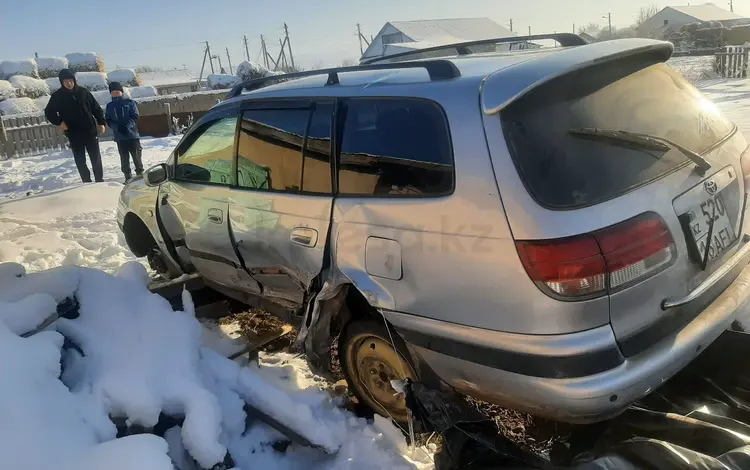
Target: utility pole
{"points": [[574, 28], [218, 57], [247, 51], [529, 30], [265, 51], [359, 36], [282, 55], [289, 44], [511, 25], [229, 59], [609, 18], [203, 65], [210, 57], [731, 6]]}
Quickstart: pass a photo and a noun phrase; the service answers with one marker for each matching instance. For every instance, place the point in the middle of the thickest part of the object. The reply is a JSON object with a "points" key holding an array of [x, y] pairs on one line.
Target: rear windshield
{"points": [[563, 171]]}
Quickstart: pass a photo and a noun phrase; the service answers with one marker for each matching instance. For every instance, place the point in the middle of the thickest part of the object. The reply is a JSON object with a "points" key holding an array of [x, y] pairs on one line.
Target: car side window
{"points": [[395, 147], [270, 155], [207, 155]]}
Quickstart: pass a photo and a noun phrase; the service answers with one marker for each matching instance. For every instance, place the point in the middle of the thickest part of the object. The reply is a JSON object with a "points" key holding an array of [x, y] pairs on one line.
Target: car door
{"points": [[194, 203], [280, 211]]}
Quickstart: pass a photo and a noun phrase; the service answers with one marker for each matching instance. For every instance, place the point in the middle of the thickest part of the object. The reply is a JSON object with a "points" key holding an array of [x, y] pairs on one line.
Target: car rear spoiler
{"points": [[505, 86]]}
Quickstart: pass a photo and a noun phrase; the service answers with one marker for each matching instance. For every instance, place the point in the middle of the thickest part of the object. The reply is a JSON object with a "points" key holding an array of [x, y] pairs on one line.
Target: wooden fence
{"points": [[28, 135], [732, 61]]}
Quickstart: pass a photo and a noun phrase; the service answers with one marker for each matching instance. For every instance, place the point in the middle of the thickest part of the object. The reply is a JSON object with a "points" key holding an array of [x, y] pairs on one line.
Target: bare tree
{"points": [[591, 29], [645, 14]]}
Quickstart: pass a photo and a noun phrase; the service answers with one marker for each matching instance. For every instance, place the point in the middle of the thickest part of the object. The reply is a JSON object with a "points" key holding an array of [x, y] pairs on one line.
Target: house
{"points": [[404, 36], [672, 18]]}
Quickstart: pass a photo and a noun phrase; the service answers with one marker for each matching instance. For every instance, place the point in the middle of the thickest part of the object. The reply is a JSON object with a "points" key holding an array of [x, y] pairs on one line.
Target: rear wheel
{"points": [[370, 362]]}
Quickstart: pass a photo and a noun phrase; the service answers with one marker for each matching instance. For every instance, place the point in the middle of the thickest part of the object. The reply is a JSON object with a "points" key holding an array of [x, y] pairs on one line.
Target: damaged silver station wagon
{"points": [[555, 230]]}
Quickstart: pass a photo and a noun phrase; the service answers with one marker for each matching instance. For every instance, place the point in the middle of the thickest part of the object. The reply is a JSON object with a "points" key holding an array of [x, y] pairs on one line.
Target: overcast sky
{"points": [[169, 33]]}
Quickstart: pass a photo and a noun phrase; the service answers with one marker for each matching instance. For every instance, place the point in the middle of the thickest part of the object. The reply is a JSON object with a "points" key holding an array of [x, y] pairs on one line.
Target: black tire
{"points": [[366, 344]]}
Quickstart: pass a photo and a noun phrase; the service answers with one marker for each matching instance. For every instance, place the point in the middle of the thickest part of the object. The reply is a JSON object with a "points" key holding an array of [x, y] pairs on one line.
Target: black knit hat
{"points": [[115, 86], [66, 74]]}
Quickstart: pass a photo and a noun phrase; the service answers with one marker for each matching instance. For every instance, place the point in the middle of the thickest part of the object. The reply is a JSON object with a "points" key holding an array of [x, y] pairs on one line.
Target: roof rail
{"points": [[437, 69], [565, 40]]}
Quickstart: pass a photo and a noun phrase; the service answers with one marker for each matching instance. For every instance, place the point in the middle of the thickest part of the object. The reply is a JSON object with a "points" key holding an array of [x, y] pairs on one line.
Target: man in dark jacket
{"points": [[76, 111], [122, 117]]}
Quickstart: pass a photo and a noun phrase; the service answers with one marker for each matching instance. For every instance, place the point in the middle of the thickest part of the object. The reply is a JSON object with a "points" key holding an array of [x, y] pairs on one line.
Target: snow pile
{"points": [[142, 92], [18, 106], [85, 62], [133, 359], [92, 81], [27, 87], [50, 66], [249, 70], [126, 77], [221, 81], [46, 426], [26, 67], [53, 84], [6, 90]]}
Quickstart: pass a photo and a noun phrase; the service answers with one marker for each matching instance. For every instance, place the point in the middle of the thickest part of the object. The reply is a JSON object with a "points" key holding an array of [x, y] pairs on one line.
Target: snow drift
{"points": [[18, 106], [50, 67], [85, 62], [27, 87], [26, 67], [126, 77], [92, 81], [6, 90], [221, 81]]}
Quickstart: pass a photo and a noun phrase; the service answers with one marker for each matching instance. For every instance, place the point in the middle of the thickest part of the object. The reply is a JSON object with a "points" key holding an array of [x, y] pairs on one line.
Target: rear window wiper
{"points": [[643, 141]]}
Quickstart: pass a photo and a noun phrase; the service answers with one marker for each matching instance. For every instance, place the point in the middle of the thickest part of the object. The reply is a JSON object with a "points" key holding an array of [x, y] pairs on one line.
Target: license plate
{"points": [[722, 235]]}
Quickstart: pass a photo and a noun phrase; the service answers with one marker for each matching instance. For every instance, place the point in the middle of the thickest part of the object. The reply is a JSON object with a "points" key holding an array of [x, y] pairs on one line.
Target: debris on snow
{"points": [[6, 90], [85, 62], [18, 106], [29, 87], [26, 67], [49, 67], [126, 77], [92, 81], [221, 82]]}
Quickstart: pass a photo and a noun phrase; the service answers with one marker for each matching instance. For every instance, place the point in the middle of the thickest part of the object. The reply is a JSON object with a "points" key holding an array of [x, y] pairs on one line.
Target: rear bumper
{"points": [[580, 377]]}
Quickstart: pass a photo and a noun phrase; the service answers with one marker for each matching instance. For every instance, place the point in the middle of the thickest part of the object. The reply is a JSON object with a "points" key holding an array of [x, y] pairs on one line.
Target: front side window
{"points": [[271, 156], [395, 147], [207, 155]]}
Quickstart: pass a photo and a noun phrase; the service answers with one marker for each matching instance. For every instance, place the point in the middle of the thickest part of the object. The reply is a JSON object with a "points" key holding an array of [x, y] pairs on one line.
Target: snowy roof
{"points": [[707, 12], [437, 32]]}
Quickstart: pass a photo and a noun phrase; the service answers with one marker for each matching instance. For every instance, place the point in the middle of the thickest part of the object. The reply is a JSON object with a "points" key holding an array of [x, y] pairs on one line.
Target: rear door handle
{"points": [[215, 216], [304, 236]]}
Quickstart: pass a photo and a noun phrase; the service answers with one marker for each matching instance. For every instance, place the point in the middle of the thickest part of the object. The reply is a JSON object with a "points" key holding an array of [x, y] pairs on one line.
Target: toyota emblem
{"points": [[710, 187]]}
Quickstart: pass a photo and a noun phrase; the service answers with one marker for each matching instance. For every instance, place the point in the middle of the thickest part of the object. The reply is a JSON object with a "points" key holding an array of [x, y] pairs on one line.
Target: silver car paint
{"points": [[460, 272]]}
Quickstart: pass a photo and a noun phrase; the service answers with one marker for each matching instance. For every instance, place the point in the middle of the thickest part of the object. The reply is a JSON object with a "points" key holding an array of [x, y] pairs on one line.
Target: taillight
{"points": [[603, 261]]}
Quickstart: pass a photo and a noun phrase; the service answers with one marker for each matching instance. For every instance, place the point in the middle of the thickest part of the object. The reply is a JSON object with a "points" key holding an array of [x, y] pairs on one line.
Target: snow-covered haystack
{"points": [[85, 62], [26, 67], [18, 106], [102, 97], [126, 77], [221, 81], [42, 102], [141, 92], [50, 66], [53, 84], [29, 87], [6, 90], [92, 81], [249, 70]]}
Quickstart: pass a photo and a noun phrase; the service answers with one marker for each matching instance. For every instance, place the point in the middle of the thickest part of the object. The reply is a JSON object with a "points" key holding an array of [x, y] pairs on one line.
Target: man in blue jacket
{"points": [[122, 117]]}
